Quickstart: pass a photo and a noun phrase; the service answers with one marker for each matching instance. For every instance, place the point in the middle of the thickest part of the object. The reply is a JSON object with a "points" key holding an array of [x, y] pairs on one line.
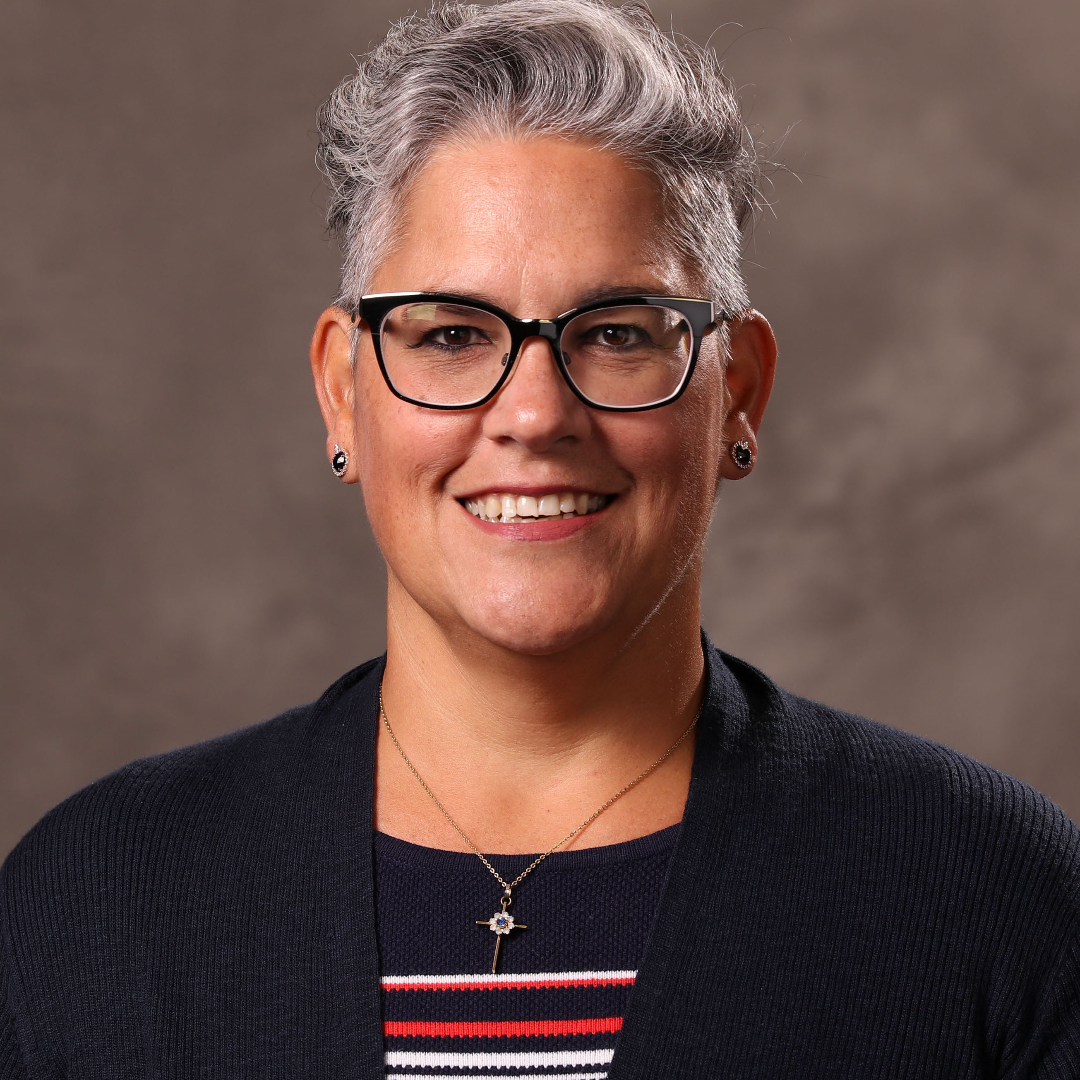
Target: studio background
{"points": [[177, 559]]}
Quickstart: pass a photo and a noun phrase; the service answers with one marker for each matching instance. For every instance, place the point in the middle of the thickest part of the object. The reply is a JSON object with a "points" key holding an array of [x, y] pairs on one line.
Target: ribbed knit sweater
{"points": [[843, 901]]}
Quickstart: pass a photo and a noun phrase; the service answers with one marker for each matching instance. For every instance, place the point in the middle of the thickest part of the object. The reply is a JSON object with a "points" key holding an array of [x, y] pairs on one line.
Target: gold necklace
{"points": [[502, 922]]}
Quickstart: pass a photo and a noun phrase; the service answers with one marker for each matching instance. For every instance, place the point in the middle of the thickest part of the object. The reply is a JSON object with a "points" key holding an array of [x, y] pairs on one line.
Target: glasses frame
{"points": [[701, 315]]}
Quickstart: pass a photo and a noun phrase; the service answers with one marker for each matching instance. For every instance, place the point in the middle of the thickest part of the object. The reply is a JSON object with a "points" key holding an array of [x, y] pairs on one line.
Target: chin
{"points": [[537, 627], [526, 639]]}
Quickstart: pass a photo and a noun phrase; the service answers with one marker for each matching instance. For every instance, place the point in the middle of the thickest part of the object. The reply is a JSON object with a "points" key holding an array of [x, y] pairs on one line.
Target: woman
{"points": [[552, 823]]}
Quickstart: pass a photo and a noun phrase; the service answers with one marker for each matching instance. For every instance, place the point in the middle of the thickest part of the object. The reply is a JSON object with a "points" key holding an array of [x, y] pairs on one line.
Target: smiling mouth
{"points": [[508, 508]]}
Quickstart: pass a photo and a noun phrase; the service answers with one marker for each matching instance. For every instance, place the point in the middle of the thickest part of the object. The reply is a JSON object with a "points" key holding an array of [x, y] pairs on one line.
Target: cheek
{"points": [[708, 402], [404, 453], [682, 456]]}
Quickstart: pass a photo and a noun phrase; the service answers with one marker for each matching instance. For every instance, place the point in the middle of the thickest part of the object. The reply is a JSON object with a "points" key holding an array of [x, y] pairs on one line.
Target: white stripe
{"points": [[432, 1059], [541, 976], [509, 1076]]}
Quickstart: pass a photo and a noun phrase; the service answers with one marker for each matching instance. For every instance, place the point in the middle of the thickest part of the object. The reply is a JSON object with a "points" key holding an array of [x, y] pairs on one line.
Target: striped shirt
{"points": [[556, 1004]]}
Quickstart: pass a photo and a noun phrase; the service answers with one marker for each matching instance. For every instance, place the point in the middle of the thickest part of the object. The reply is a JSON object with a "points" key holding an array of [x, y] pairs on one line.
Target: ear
{"points": [[331, 365], [749, 374]]}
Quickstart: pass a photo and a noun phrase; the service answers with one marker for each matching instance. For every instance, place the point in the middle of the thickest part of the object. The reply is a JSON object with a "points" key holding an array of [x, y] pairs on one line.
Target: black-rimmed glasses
{"points": [[626, 354]]}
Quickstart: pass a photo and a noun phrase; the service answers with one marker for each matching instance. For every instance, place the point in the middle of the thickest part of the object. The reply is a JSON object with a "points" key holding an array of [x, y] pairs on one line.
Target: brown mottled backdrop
{"points": [[178, 560]]}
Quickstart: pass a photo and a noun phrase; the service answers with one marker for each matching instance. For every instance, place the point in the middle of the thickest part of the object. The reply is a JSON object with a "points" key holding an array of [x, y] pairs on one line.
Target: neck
{"points": [[522, 748]]}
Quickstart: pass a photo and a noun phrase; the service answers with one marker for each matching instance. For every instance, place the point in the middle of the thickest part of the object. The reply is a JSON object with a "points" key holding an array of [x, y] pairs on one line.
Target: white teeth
{"points": [[517, 508]]}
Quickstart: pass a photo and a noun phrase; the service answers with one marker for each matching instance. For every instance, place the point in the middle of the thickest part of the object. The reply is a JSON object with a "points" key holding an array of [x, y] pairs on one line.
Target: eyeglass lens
{"points": [[451, 354]]}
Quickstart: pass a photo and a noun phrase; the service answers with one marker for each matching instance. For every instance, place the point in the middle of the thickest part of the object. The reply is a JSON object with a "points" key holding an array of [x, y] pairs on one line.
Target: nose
{"points": [[535, 408]]}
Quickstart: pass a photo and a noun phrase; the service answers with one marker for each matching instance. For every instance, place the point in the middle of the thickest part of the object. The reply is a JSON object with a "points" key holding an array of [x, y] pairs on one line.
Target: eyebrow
{"points": [[613, 292], [603, 292]]}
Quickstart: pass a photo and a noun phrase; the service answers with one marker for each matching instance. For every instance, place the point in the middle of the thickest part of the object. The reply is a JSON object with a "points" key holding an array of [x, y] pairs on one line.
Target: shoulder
{"points": [[939, 877], [823, 742], [177, 800], [910, 793]]}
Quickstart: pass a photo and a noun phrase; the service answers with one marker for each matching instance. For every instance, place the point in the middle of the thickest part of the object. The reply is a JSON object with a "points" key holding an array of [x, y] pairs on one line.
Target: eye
{"points": [[456, 337], [618, 335]]}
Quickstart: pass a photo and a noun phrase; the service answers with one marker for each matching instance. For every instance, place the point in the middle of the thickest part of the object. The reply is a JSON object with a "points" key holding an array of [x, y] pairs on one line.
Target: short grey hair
{"points": [[580, 69]]}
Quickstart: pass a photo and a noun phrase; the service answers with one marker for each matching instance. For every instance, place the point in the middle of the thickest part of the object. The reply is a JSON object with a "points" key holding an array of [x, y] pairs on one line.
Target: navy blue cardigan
{"points": [[844, 901]]}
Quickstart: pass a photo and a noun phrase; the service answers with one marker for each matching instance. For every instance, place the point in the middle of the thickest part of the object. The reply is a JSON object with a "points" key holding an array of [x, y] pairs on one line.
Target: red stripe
{"points": [[542, 984], [499, 1028]]}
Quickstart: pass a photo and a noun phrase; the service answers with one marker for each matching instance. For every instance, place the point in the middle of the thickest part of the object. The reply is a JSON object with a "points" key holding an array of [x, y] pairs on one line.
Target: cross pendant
{"points": [[501, 923]]}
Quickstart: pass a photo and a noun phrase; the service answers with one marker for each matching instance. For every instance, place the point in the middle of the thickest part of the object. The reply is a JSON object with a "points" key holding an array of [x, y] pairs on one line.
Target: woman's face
{"points": [[538, 227]]}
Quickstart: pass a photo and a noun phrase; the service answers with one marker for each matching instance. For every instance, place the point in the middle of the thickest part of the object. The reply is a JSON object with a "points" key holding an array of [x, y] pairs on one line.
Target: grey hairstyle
{"points": [[581, 69]]}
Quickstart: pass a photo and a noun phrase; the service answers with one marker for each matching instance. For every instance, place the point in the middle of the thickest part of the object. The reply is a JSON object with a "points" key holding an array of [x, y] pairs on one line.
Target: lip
{"points": [[541, 528], [527, 489]]}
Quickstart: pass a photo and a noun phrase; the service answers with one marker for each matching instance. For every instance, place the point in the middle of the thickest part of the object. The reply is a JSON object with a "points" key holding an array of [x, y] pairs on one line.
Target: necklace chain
{"points": [[510, 885]]}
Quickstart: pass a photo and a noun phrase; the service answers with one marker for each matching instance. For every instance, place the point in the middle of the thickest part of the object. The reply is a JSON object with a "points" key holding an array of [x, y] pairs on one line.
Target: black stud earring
{"points": [[742, 455], [339, 462]]}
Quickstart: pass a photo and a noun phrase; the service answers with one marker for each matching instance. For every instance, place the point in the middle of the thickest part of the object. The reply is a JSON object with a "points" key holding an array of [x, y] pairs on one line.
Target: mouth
{"points": [[507, 508]]}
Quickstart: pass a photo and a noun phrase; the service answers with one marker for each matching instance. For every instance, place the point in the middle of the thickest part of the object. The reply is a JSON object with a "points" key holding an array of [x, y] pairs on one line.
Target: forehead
{"points": [[540, 221]]}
